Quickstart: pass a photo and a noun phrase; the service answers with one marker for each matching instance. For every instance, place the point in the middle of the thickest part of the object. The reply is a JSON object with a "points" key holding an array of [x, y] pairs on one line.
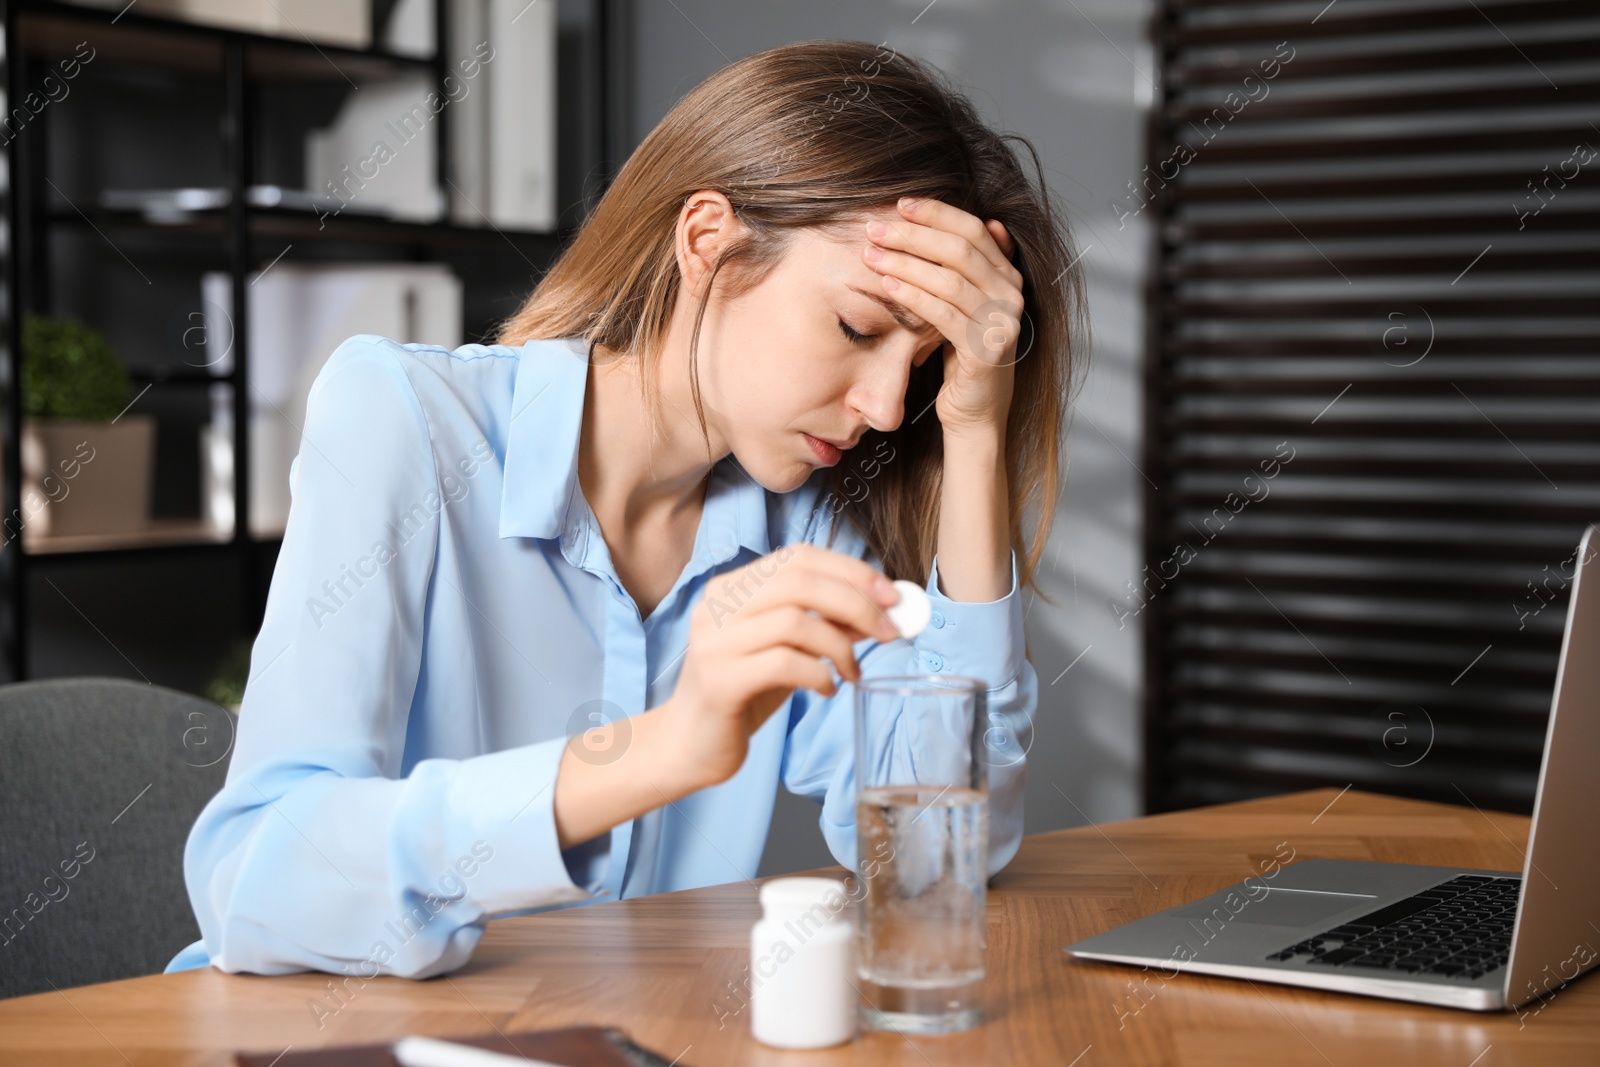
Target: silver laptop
{"points": [[1455, 936]]}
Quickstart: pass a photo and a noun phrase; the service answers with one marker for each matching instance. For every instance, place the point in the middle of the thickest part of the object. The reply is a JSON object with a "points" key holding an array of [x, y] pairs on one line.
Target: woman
{"points": [[539, 637]]}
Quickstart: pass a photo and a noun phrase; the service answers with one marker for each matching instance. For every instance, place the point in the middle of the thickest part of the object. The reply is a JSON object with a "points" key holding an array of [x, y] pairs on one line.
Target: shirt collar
{"points": [[539, 497]]}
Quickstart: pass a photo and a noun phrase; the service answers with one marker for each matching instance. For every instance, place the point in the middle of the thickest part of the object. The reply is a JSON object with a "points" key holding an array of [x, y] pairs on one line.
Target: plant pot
{"points": [[87, 477]]}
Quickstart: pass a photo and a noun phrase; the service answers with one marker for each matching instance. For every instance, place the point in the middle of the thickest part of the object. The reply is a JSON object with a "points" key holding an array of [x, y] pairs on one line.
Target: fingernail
{"points": [[908, 203], [887, 631], [885, 591], [874, 253], [876, 229]]}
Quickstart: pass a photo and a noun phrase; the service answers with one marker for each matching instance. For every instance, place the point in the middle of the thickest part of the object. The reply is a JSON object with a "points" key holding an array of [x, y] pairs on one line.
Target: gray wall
{"points": [[1074, 76]]}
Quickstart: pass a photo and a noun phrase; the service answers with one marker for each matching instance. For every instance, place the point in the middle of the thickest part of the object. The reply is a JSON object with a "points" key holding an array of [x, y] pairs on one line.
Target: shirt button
{"points": [[936, 620], [935, 661]]}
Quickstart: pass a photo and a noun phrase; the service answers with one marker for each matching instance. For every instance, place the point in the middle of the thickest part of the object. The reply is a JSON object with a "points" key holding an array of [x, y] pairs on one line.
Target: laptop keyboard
{"points": [[1461, 928]]}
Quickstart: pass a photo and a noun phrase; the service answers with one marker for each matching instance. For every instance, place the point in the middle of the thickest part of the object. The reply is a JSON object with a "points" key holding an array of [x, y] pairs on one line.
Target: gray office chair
{"points": [[100, 781]]}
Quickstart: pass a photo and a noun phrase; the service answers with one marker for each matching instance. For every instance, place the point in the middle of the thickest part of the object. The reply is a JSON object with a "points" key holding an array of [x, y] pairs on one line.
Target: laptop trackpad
{"points": [[1280, 907]]}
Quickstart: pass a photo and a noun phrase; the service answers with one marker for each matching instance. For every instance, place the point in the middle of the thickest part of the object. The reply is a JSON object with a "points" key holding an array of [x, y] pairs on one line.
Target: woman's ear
{"points": [[706, 225]]}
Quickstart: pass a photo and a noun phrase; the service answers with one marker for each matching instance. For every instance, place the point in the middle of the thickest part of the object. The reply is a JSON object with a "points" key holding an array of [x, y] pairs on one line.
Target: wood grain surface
{"points": [[668, 970]]}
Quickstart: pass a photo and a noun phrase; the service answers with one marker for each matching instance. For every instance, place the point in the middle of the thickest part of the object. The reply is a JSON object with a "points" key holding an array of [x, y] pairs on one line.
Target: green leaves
{"points": [[69, 371]]}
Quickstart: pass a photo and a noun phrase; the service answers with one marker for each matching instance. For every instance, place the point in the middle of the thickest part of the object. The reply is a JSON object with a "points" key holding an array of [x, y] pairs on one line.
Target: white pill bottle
{"points": [[802, 965]]}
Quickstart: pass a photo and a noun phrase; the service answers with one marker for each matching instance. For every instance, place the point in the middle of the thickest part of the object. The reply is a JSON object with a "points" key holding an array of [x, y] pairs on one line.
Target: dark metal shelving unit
{"points": [[240, 63]]}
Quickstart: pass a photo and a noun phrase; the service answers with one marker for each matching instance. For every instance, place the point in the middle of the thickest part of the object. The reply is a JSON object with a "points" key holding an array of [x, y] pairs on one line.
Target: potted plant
{"points": [[86, 461]]}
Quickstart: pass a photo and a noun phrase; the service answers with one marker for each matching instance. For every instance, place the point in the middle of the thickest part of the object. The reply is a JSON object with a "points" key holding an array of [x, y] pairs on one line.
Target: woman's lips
{"points": [[828, 454]]}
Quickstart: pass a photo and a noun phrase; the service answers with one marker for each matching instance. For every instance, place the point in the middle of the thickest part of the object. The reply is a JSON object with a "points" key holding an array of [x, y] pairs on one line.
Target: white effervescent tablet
{"points": [[910, 614]]}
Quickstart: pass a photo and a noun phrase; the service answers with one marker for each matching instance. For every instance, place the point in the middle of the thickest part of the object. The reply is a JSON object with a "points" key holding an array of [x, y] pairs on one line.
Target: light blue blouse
{"points": [[443, 617]]}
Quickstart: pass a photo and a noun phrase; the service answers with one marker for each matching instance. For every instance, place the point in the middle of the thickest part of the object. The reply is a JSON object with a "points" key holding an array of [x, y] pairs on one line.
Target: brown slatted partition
{"points": [[1373, 391]]}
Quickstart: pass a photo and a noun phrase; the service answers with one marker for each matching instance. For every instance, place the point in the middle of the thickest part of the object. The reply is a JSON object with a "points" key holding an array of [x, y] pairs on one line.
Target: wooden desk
{"points": [[660, 968]]}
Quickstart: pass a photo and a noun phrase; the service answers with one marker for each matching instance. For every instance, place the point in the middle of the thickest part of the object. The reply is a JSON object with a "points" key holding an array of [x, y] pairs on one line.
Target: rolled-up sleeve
{"points": [[318, 853], [984, 640]]}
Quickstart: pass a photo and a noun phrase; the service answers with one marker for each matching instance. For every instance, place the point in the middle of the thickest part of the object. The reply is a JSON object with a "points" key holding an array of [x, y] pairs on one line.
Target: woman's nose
{"points": [[881, 397]]}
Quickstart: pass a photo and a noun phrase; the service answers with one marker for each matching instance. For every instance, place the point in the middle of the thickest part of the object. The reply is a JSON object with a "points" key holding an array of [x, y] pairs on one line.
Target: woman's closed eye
{"points": [[854, 336]]}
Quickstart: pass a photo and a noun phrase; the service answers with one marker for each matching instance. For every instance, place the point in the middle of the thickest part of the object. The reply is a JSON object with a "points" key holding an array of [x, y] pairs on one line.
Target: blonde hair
{"points": [[818, 134]]}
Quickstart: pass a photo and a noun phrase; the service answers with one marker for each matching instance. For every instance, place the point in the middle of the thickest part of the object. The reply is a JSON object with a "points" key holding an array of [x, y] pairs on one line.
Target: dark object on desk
{"points": [[100, 782], [573, 1046]]}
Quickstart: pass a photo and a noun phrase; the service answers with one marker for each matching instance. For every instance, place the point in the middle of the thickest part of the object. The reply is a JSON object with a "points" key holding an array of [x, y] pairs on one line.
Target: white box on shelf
{"points": [[522, 114], [503, 133], [410, 29], [347, 23], [299, 313], [469, 121], [381, 149]]}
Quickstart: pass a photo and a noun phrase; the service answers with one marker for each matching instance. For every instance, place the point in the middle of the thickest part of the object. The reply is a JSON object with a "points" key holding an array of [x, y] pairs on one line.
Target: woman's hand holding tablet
{"points": [[760, 633]]}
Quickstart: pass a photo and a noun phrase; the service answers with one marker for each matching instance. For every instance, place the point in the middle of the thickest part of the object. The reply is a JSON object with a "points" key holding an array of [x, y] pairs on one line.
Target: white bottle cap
{"points": [[910, 614], [785, 896]]}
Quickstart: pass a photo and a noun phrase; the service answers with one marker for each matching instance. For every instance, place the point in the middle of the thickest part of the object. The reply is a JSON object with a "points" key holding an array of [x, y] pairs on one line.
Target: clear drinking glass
{"points": [[922, 847]]}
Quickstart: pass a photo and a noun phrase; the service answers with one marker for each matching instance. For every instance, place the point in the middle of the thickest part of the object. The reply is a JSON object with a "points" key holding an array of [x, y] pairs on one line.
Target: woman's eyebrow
{"points": [[901, 315]]}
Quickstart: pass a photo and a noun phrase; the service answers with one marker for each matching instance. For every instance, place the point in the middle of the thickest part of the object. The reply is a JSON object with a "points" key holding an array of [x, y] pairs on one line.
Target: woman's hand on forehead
{"points": [[954, 271]]}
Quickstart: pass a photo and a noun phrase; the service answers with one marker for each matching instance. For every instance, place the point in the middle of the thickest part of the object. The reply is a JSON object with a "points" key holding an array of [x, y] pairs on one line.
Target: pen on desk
{"points": [[431, 1052]]}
